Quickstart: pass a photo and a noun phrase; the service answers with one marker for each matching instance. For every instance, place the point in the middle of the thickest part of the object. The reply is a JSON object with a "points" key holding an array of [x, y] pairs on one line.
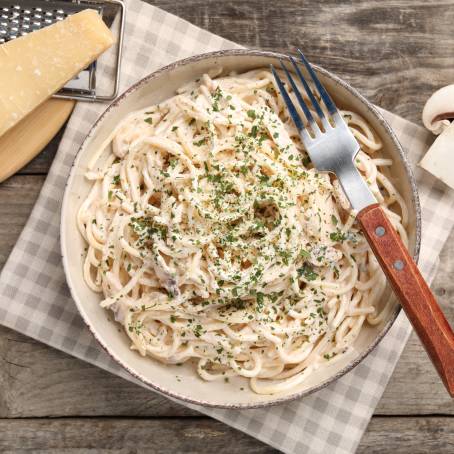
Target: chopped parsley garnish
{"points": [[251, 114], [327, 356], [338, 236], [259, 301], [198, 330], [217, 95], [200, 142], [307, 272], [306, 161]]}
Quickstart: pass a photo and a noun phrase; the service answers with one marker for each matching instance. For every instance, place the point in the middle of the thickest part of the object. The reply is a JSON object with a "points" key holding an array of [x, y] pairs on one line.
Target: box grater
{"points": [[19, 17]]}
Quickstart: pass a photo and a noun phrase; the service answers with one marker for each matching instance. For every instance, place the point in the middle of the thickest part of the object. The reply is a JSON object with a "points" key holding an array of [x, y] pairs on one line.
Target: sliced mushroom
{"points": [[436, 116], [439, 159], [439, 109]]}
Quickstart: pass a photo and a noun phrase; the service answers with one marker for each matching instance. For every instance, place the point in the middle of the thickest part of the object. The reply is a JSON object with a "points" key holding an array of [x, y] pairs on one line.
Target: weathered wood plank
{"points": [[399, 435], [119, 436]]}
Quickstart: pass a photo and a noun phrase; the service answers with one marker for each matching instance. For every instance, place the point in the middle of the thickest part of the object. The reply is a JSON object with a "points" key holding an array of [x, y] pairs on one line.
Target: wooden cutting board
{"points": [[24, 141]]}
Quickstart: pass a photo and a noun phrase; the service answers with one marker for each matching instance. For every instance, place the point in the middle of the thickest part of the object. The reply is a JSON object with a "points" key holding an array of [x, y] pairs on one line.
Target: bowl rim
{"points": [[187, 61]]}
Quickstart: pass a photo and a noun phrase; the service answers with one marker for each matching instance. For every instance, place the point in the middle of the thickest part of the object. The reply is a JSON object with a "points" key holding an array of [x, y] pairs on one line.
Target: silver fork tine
{"points": [[302, 103], [332, 109], [309, 93], [291, 108]]}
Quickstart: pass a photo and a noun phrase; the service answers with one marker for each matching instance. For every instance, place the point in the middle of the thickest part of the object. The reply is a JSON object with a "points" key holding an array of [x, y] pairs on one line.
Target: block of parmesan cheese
{"points": [[35, 66]]}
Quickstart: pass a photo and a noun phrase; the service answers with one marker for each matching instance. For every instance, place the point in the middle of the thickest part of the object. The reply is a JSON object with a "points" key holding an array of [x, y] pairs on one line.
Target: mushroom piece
{"points": [[439, 109], [439, 159], [436, 116]]}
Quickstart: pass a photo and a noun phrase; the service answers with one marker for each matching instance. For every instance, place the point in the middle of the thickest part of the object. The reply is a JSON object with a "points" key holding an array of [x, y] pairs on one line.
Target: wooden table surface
{"points": [[396, 53]]}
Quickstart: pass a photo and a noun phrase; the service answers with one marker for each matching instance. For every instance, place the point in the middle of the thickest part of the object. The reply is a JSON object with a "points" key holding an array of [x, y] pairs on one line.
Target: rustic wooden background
{"points": [[397, 53]]}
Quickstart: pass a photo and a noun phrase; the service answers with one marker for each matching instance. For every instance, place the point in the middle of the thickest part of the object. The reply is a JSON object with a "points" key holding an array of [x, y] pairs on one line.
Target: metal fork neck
{"points": [[355, 188]]}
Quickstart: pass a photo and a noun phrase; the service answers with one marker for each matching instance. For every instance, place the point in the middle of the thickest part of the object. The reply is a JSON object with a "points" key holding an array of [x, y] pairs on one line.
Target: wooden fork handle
{"points": [[412, 291]]}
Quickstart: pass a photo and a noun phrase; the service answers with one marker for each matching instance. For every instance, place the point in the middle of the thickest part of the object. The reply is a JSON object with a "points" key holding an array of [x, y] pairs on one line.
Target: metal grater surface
{"points": [[19, 18]]}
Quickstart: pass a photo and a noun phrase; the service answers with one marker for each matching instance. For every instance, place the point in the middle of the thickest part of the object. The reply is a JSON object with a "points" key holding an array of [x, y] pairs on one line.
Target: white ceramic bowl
{"points": [[182, 382]]}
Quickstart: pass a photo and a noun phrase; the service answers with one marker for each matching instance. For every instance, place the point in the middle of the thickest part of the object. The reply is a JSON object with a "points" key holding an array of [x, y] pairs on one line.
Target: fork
{"points": [[333, 148]]}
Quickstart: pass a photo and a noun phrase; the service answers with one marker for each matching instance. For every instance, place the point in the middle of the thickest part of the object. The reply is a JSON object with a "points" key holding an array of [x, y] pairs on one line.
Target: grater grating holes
{"points": [[17, 21]]}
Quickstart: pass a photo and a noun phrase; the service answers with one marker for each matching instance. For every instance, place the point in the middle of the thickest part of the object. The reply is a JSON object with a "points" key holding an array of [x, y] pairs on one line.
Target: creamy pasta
{"points": [[213, 239]]}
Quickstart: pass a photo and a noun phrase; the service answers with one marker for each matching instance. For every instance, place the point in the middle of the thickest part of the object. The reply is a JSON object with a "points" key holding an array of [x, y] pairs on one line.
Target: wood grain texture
{"points": [[408, 435], [412, 291], [396, 53], [121, 436], [201, 435]]}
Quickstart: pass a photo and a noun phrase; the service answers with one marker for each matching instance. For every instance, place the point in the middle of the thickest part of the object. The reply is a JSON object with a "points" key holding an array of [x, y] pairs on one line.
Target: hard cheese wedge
{"points": [[35, 66]]}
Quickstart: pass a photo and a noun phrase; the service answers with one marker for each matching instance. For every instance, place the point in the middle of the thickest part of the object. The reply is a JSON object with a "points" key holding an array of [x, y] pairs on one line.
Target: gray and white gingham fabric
{"points": [[35, 300]]}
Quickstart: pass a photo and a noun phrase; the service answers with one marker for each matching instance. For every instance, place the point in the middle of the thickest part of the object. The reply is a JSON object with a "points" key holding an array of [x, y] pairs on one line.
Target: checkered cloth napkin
{"points": [[35, 301]]}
